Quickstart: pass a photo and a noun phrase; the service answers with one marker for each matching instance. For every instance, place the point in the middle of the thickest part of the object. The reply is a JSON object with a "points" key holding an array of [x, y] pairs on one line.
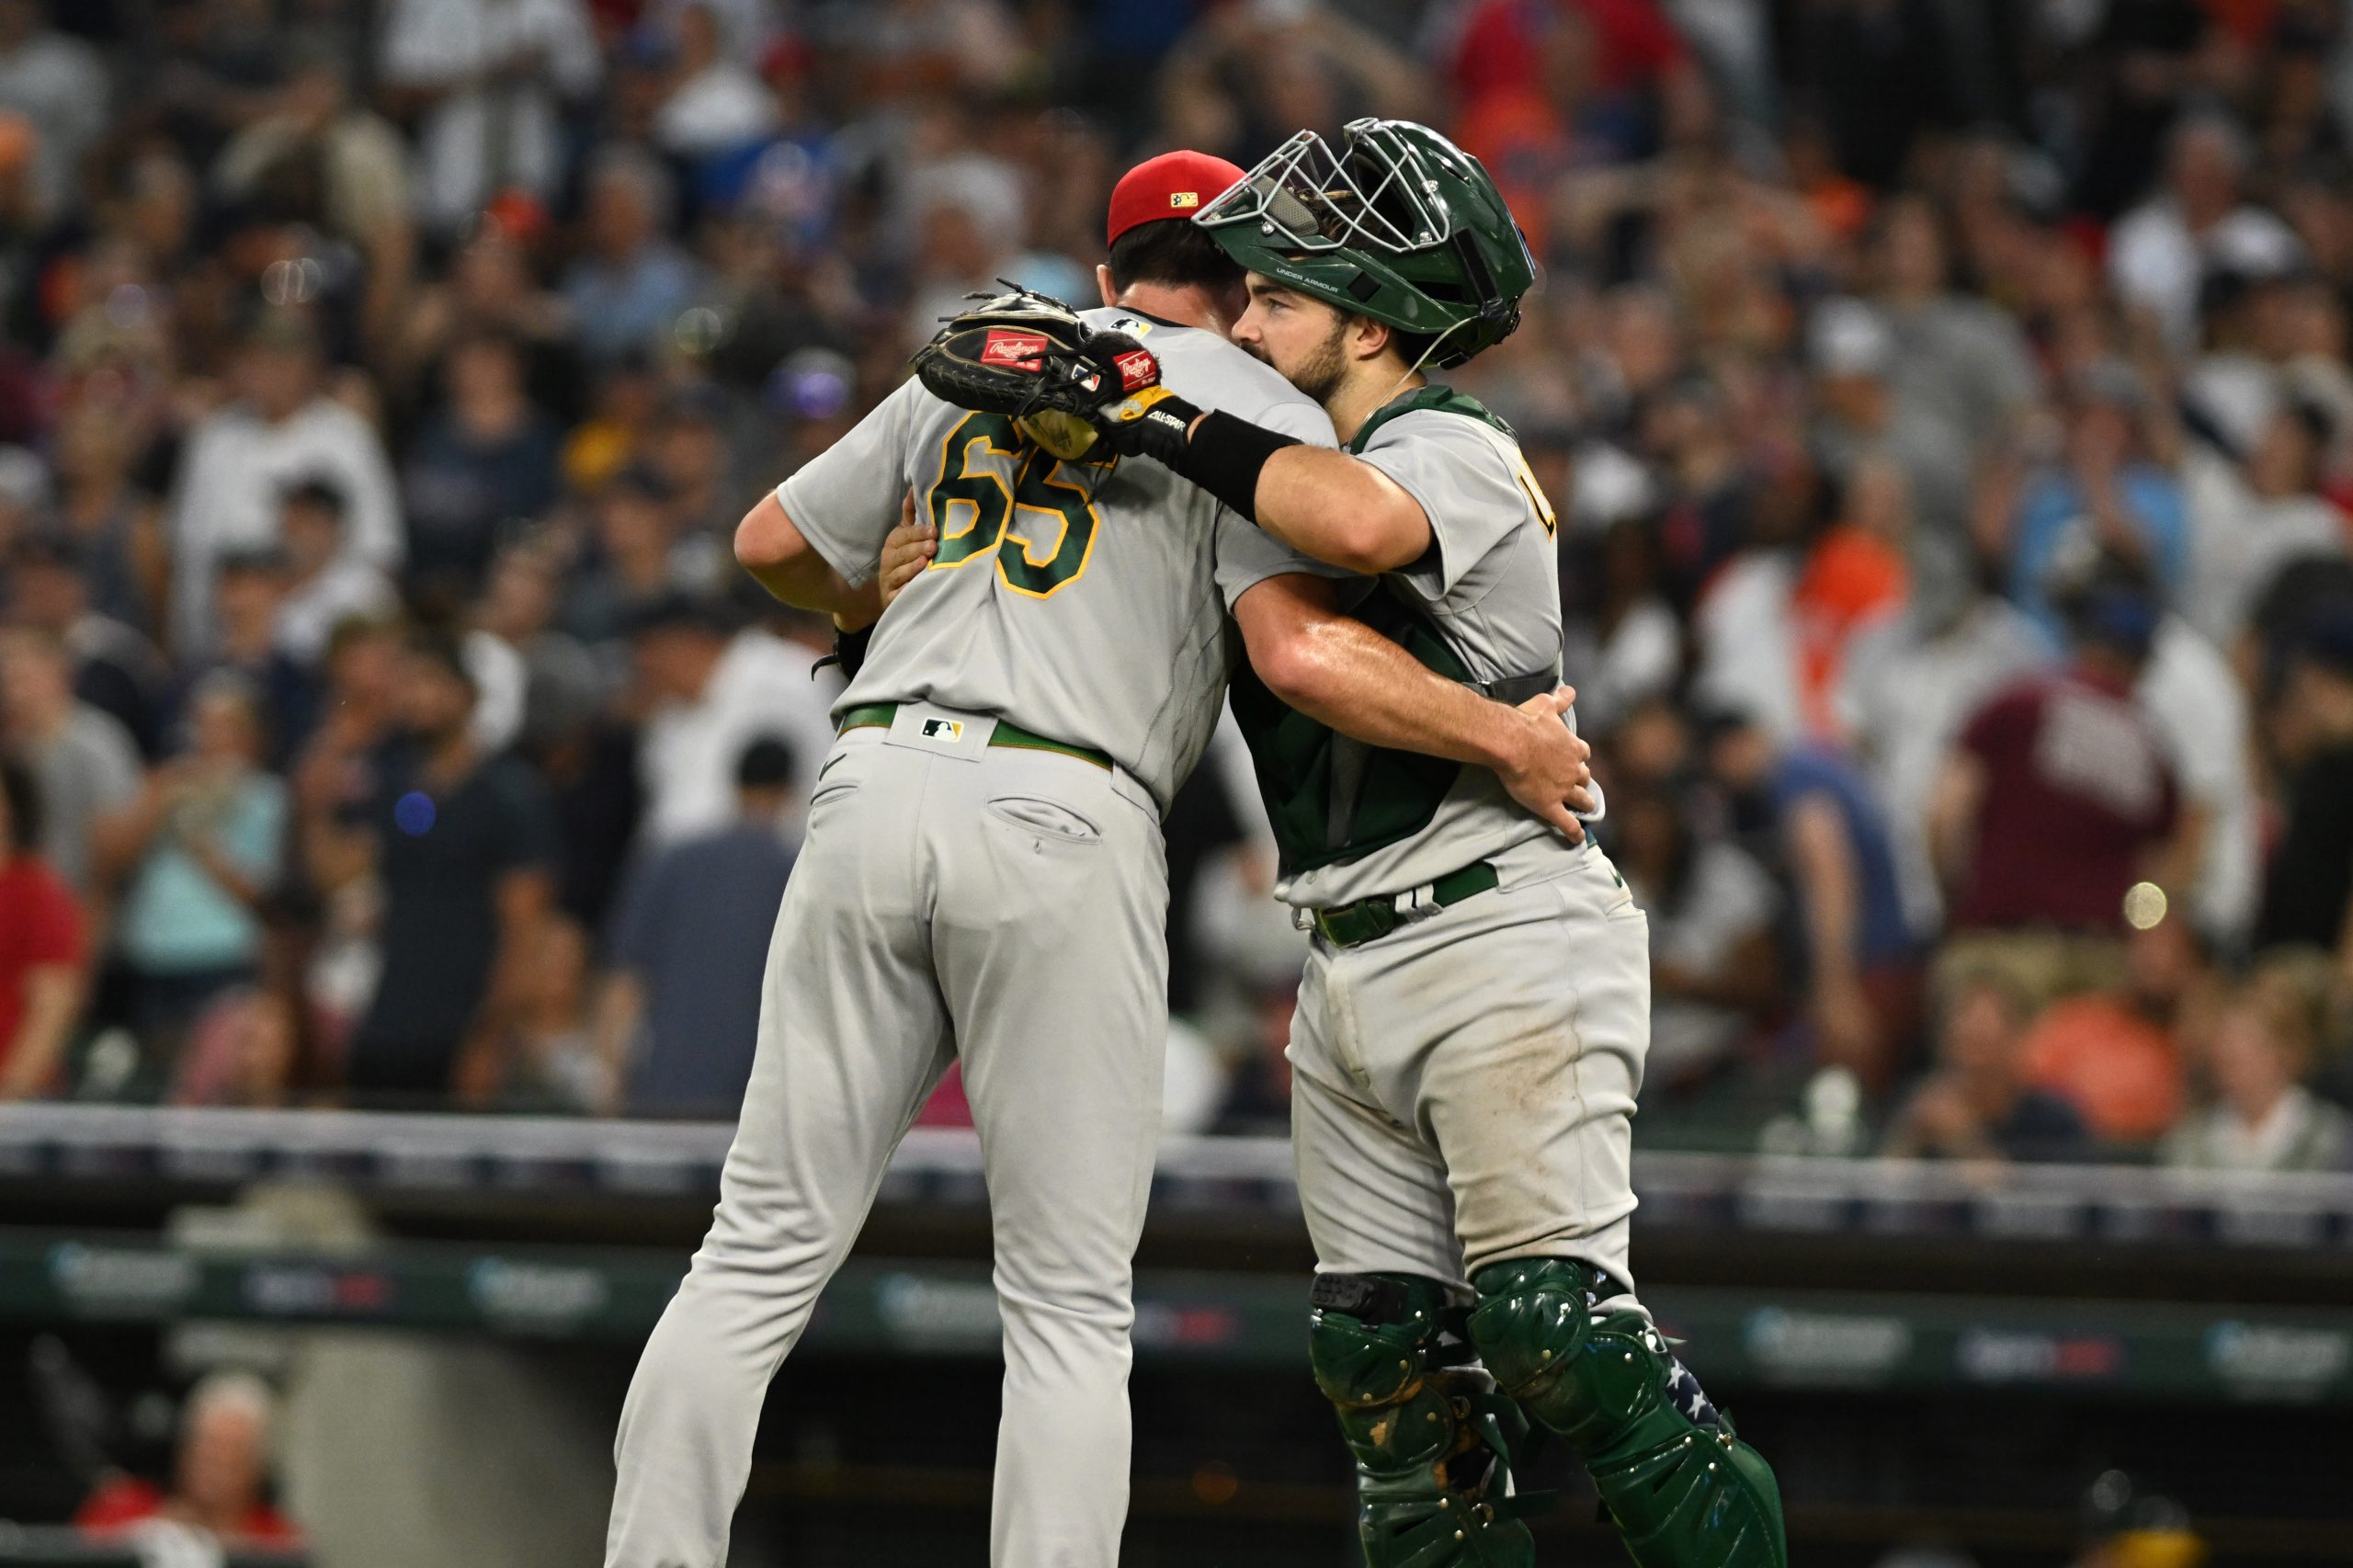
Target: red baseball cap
{"points": [[1174, 185]]}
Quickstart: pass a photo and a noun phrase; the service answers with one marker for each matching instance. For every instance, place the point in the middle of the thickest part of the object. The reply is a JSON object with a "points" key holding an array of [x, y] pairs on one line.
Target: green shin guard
{"points": [[1685, 1494], [1432, 1444]]}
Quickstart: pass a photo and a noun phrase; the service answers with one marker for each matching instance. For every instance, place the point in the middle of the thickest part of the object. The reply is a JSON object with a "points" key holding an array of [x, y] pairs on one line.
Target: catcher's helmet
{"points": [[1400, 224]]}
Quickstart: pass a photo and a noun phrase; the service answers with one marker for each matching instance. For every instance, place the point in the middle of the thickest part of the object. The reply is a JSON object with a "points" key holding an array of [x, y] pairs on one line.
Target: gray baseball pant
{"points": [[1011, 902]]}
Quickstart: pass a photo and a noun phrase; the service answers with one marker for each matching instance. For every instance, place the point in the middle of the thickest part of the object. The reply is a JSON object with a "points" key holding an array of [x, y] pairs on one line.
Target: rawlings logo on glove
{"points": [[1067, 385]]}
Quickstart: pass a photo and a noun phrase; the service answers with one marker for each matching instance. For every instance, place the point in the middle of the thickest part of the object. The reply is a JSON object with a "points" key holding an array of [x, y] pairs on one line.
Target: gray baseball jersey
{"points": [[1001, 906], [1086, 604], [1491, 587]]}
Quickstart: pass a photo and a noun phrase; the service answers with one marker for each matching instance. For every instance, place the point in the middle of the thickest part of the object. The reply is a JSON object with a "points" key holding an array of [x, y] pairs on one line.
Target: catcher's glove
{"points": [[1068, 386]]}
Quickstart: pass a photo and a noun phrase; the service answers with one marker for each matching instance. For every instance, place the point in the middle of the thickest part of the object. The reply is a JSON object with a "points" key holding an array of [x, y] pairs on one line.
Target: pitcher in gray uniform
{"points": [[984, 878], [1472, 1021]]}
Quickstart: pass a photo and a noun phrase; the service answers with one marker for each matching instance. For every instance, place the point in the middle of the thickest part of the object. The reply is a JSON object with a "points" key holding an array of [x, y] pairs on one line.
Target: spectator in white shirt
{"points": [[718, 102], [713, 695], [488, 80], [2159, 252], [2261, 1117], [239, 463], [325, 583]]}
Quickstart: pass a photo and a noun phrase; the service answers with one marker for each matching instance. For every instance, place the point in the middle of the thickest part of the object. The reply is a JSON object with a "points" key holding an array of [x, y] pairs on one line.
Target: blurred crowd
{"points": [[1947, 405]]}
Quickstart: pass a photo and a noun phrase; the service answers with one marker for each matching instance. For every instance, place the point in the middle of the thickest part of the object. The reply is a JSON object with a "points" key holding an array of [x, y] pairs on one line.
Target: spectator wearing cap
{"points": [[41, 938], [629, 282], [2261, 1116], [1872, 408], [489, 86], [483, 462], [238, 464], [116, 669], [83, 763], [680, 1009], [2057, 799], [711, 694], [207, 838], [460, 844], [2308, 885], [326, 584]]}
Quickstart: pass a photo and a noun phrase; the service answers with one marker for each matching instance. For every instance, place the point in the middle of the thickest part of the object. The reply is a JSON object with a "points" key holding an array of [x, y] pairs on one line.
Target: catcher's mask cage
{"points": [[1400, 202]]}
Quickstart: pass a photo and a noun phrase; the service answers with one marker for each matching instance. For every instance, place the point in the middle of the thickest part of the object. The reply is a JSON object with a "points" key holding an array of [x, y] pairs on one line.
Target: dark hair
{"points": [[24, 806], [443, 647], [766, 763], [323, 494], [1173, 251]]}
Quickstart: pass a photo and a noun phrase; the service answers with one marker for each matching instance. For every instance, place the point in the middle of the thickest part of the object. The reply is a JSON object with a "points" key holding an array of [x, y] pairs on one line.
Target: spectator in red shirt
{"points": [[2057, 801], [41, 948], [220, 1480]]}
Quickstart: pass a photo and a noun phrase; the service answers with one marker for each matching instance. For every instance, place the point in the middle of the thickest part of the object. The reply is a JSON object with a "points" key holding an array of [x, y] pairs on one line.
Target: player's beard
{"points": [[1320, 374]]}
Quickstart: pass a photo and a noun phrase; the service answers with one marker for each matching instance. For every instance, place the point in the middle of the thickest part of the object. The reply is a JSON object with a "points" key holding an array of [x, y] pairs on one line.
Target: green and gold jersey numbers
{"points": [[1040, 526], [1535, 492]]}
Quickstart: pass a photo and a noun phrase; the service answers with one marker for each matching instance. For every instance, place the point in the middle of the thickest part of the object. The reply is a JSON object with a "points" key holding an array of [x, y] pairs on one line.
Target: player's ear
{"points": [[1366, 338], [1103, 284]]}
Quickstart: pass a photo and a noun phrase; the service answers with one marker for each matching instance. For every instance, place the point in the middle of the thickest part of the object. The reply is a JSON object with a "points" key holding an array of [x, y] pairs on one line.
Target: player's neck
{"points": [[1365, 391], [1186, 306]]}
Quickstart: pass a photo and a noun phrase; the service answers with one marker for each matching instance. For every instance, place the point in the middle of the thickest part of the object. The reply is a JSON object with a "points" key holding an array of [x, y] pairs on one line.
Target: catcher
{"points": [[1475, 1012], [983, 879]]}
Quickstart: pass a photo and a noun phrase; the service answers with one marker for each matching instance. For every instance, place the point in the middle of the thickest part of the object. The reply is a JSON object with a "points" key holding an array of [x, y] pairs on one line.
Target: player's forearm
{"points": [[1340, 509], [1342, 672], [782, 561]]}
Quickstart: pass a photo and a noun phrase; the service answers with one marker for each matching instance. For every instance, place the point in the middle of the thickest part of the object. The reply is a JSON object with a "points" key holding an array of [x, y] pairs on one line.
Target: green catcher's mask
{"points": [[1399, 224]]}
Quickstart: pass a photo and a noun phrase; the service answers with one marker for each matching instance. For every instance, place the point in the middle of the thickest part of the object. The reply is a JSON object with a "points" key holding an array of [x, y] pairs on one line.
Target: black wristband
{"points": [[849, 652], [1224, 456]]}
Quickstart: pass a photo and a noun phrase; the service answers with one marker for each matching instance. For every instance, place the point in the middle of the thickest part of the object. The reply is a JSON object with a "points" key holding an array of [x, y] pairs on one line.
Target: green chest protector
{"points": [[1331, 798]]}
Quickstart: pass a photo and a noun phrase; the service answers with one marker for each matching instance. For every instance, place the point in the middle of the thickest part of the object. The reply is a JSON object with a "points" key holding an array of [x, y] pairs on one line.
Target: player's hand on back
{"points": [[1552, 776], [908, 552]]}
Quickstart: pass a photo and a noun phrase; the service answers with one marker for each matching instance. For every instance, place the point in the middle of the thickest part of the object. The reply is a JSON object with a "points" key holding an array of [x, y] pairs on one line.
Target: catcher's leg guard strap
{"points": [[1686, 1491], [1431, 1443]]}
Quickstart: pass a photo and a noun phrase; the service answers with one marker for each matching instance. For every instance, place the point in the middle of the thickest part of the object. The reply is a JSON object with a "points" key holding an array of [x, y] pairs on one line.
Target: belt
{"points": [[878, 715], [1346, 925]]}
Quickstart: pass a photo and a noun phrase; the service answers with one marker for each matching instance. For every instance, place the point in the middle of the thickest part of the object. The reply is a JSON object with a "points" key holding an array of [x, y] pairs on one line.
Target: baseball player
{"points": [[1474, 1012], [983, 876]]}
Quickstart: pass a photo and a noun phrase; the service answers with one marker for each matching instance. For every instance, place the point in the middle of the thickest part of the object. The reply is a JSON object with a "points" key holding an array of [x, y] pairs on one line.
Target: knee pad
{"points": [[1685, 1491], [1432, 1442]]}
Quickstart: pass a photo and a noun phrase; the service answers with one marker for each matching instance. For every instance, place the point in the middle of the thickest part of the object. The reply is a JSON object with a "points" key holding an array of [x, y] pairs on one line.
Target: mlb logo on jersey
{"points": [[1020, 349], [949, 730], [1183, 199]]}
